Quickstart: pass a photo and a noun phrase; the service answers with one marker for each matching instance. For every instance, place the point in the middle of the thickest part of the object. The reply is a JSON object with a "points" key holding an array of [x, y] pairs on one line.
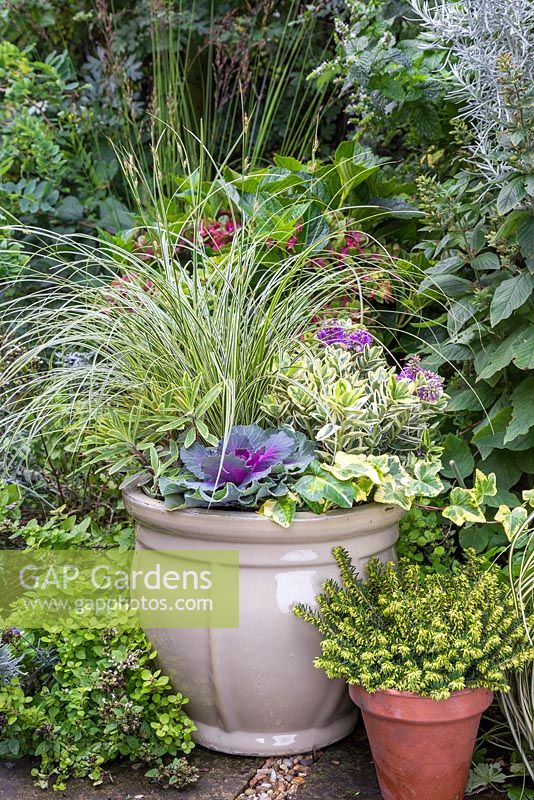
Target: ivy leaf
{"points": [[325, 487], [391, 491], [463, 507], [512, 520], [348, 466], [485, 486], [528, 496], [427, 482], [457, 458], [522, 419], [280, 510], [509, 295]]}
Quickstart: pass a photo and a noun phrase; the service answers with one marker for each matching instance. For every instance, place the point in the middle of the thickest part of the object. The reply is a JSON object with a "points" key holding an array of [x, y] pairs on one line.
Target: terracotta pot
{"points": [[254, 690], [421, 748]]}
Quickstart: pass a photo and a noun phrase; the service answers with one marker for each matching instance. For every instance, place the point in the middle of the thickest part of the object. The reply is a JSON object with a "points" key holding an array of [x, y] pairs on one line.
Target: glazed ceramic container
{"points": [[422, 748], [253, 690]]}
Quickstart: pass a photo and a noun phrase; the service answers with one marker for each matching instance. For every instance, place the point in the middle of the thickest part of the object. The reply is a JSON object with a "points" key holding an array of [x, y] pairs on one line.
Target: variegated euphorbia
{"points": [[340, 391]]}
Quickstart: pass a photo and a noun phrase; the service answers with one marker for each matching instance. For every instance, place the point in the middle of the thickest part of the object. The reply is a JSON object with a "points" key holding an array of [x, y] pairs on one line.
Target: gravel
{"points": [[278, 778]]}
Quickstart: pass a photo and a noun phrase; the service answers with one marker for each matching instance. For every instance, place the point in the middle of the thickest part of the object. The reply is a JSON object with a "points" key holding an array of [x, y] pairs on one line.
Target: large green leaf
{"points": [[511, 195], [509, 295], [525, 236], [472, 399], [486, 261], [288, 162], [475, 537], [351, 166], [69, 209], [505, 466], [457, 458], [522, 417], [114, 216], [490, 434], [450, 285], [523, 349], [492, 360], [525, 461], [459, 313]]}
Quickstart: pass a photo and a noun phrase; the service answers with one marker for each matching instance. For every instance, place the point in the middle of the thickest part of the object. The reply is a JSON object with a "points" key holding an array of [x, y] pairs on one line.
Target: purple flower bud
{"points": [[359, 339], [430, 386], [355, 339], [333, 334]]}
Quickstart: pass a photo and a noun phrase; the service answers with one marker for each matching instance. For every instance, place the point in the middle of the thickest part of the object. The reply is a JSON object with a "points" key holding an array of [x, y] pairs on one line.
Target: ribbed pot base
{"points": [[247, 743]]}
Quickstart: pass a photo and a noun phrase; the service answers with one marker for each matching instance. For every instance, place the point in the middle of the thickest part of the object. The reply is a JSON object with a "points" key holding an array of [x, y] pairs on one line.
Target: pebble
{"points": [[279, 778]]}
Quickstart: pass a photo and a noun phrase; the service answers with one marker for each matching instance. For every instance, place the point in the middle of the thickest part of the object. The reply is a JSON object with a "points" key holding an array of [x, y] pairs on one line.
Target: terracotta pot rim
{"points": [[412, 708], [416, 695]]}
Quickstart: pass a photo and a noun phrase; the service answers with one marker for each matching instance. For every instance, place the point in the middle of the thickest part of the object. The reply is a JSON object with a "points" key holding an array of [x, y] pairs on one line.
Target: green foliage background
{"points": [[317, 125]]}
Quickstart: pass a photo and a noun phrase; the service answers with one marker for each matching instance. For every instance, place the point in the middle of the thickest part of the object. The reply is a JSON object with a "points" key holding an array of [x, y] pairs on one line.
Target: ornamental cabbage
{"points": [[251, 465]]}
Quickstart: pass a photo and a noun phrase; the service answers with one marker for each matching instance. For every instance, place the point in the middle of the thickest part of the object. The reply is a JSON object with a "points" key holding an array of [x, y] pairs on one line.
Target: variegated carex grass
{"points": [[121, 350]]}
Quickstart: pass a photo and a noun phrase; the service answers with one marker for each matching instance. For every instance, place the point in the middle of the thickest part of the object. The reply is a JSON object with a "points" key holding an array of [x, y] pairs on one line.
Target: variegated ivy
{"points": [[469, 506], [357, 478]]}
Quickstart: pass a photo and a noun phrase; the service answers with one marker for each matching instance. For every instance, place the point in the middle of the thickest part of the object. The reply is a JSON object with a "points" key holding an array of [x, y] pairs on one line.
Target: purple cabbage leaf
{"points": [[253, 464]]}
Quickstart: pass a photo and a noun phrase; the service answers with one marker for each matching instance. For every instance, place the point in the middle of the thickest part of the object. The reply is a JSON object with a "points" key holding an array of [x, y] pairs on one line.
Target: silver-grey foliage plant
{"points": [[482, 36]]}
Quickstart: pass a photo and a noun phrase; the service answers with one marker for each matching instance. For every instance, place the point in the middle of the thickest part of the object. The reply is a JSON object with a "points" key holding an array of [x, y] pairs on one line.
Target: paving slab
{"points": [[221, 778], [345, 771]]}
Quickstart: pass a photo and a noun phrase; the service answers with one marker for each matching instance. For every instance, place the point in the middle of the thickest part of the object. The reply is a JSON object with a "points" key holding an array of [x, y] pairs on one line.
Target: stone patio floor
{"points": [[344, 771]]}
